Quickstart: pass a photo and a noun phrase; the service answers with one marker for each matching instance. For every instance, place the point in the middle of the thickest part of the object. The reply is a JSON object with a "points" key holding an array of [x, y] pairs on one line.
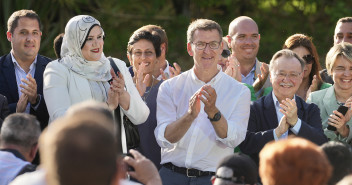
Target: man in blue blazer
{"points": [[282, 113], [21, 71]]}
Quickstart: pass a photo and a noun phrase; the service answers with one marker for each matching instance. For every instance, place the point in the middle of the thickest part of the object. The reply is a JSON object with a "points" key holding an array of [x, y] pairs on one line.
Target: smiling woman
{"points": [[339, 65], [143, 50], [84, 73]]}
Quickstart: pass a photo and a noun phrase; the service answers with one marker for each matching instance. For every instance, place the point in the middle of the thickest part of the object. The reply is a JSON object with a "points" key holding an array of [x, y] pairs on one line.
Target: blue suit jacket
{"points": [[8, 86], [263, 120]]}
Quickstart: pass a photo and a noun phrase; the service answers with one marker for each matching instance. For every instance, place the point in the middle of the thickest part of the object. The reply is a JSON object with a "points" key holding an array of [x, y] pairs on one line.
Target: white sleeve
{"points": [[238, 120], [55, 90], [138, 111], [165, 114]]}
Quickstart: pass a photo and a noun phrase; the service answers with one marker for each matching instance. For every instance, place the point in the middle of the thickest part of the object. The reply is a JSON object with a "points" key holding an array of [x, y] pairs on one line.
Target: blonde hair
{"points": [[341, 49]]}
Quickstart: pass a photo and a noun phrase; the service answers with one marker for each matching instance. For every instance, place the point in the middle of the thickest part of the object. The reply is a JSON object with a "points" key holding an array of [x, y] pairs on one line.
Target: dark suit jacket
{"points": [[4, 108], [8, 86], [263, 120]]}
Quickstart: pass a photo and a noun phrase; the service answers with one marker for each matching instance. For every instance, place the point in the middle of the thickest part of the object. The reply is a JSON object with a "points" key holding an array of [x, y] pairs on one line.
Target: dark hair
{"points": [[340, 157], [344, 20], [143, 34], [243, 167], [57, 45], [12, 22], [90, 29], [297, 40], [157, 30], [20, 129], [202, 24]]}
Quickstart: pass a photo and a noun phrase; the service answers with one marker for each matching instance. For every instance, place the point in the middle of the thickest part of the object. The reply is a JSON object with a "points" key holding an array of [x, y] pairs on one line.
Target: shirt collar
{"points": [[213, 81], [16, 63]]}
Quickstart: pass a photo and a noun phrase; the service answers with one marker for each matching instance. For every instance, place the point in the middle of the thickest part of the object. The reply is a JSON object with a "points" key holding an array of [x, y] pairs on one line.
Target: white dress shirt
{"points": [[294, 129], [21, 74], [200, 147]]}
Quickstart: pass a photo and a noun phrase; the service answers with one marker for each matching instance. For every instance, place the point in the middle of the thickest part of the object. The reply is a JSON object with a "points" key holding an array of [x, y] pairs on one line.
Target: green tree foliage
{"points": [[277, 19]]}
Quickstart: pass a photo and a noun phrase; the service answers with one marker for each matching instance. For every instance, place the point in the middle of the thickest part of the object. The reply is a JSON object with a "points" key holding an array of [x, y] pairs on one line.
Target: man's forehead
{"points": [[246, 26], [207, 35], [25, 23], [343, 27]]}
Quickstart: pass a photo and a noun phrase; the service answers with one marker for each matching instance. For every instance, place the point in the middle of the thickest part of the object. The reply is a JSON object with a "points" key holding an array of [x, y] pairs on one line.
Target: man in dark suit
{"points": [[282, 113], [21, 71]]}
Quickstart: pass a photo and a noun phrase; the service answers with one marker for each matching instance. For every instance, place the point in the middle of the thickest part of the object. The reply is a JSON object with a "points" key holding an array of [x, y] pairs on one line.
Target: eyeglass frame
{"points": [[309, 59], [282, 75], [207, 44]]}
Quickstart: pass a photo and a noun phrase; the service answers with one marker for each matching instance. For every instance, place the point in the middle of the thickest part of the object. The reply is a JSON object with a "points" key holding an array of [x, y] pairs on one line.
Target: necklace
{"points": [[146, 94]]}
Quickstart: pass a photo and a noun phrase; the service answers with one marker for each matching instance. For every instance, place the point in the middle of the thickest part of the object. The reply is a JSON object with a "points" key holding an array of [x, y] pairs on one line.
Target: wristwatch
{"points": [[216, 117]]}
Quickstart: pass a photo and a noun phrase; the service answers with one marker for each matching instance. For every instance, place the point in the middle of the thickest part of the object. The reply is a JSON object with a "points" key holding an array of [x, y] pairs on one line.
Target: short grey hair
{"points": [[20, 129], [285, 53], [203, 24]]}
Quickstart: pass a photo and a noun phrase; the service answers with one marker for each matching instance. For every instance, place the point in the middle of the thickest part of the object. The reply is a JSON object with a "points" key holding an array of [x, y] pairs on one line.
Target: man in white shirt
{"points": [[18, 146], [243, 37], [202, 113], [282, 113]]}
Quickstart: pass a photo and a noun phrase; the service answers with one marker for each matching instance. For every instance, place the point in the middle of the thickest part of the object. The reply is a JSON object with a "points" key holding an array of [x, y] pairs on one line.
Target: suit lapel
{"points": [[39, 71], [329, 100], [9, 74], [270, 111], [300, 110]]}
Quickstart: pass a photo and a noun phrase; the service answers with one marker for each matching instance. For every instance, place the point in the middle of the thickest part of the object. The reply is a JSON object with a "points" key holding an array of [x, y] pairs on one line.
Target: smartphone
{"points": [[343, 110], [129, 168]]}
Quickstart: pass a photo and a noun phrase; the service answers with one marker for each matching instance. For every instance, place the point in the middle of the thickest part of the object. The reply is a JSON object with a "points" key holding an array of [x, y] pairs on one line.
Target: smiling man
{"points": [[21, 71], [281, 113], [244, 37], [202, 113]]}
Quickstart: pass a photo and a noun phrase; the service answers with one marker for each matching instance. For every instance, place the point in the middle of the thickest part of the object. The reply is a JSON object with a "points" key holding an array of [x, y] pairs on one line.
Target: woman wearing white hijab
{"points": [[83, 73]]}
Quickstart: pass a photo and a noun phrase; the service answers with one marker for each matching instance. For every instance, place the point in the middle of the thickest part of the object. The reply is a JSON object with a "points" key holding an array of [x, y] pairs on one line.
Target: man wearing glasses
{"points": [[244, 38], [202, 113], [282, 113]]}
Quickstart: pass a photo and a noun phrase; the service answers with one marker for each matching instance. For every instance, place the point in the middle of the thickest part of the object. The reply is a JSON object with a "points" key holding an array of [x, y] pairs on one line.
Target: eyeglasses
{"points": [[308, 58], [146, 54], [203, 45], [292, 76], [225, 53]]}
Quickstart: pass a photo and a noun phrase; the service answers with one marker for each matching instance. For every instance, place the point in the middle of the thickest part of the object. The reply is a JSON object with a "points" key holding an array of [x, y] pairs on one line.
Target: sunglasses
{"points": [[225, 53], [308, 58]]}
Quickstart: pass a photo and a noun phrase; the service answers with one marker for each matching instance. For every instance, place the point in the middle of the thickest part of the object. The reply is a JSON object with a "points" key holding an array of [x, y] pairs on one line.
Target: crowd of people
{"points": [[228, 120]]}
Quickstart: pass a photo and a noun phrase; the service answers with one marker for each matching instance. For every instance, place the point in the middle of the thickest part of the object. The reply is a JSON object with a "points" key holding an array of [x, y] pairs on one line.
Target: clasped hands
{"points": [[29, 93], [207, 95], [290, 118]]}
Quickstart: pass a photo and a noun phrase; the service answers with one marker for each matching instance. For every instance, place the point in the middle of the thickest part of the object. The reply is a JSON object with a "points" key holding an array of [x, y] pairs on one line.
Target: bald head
{"points": [[242, 22]]}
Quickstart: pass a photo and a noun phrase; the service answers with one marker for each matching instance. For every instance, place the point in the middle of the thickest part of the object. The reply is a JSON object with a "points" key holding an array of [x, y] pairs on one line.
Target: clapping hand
{"points": [[261, 78]]}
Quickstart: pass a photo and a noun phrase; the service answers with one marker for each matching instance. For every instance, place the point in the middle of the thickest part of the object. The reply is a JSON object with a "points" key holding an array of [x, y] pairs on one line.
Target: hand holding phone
{"points": [[343, 110]]}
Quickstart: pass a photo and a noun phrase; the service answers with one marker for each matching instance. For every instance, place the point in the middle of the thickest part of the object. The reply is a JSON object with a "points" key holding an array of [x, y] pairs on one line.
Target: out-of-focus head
{"points": [[340, 157], [84, 38], [293, 161], [343, 30], [57, 44], [244, 37], [143, 49], [236, 169], [80, 148], [346, 181], [286, 76], [303, 46], [204, 44], [24, 33], [21, 130]]}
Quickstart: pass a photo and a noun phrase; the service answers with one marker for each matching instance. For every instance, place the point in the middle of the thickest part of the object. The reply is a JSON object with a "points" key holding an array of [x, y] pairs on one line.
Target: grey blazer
{"points": [[326, 101]]}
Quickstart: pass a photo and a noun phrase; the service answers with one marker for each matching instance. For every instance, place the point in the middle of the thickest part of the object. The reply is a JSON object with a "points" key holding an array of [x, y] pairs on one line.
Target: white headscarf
{"points": [[76, 32]]}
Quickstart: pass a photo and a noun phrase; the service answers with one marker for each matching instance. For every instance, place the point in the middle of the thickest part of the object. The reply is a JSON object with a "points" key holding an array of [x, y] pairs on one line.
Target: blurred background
{"points": [[277, 19]]}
